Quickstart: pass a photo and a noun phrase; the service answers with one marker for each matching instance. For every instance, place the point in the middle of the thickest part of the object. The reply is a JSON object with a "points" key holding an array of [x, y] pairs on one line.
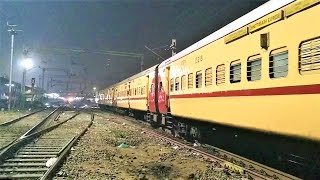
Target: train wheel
{"points": [[195, 133], [175, 130]]}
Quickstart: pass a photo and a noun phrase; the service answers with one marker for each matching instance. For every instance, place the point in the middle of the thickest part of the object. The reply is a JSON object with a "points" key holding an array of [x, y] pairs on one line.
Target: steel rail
{"points": [[32, 129], [265, 171], [20, 118], [64, 152], [13, 159]]}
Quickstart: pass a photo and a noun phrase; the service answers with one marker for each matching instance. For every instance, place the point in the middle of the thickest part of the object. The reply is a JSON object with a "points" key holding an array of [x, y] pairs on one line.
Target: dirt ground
{"points": [[102, 154]]}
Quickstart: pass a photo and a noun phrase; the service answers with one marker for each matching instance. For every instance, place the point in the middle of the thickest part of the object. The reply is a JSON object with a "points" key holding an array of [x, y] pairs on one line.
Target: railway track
{"points": [[13, 130], [20, 118], [221, 158], [38, 155]]}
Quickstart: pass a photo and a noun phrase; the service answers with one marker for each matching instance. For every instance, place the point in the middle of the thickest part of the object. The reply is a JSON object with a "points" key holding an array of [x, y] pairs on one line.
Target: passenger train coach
{"points": [[260, 72]]}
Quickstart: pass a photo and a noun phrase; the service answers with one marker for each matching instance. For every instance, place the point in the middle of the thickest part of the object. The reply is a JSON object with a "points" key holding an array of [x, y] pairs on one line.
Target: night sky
{"points": [[110, 25]]}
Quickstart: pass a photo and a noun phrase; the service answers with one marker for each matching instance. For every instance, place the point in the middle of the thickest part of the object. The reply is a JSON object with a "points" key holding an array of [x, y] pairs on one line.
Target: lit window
{"points": [[254, 68], [171, 85], [208, 77], [190, 80], [235, 71], [198, 79], [309, 57], [220, 74], [183, 82], [176, 84], [278, 64]]}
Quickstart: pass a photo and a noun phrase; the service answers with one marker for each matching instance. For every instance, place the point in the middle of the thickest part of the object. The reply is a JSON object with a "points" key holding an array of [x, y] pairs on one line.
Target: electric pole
{"points": [[13, 33], [173, 47]]}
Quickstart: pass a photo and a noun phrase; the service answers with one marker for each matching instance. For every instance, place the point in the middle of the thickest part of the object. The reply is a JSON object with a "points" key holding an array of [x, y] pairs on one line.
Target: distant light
{"points": [[70, 99], [94, 88], [52, 95], [12, 85], [27, 63]]}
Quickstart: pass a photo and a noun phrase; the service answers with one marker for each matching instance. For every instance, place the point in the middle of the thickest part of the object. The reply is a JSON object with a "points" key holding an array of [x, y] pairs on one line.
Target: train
{"points": [[256, 81]]}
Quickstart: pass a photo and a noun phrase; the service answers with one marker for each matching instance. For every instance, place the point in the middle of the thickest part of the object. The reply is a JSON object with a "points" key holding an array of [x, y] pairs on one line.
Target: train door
{"points": [[114, 97], [128, 94], [146, 90], [163, 90], [152, 92]]}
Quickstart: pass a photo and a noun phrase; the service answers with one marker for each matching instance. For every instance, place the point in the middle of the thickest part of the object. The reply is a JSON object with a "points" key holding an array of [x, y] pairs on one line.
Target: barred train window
{"points": [[198, 79], [235, 71], [254, 68], [309, 57], [183, 82], [176, 84], [220, 74], [171, 85], [278, 65], [208, 77], [190, 80]]}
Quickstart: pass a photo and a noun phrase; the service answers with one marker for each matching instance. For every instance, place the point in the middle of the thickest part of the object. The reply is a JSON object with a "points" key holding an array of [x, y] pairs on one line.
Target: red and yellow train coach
{"points": [[130, 95], [263, 75], [258, 77], [260, 72]]}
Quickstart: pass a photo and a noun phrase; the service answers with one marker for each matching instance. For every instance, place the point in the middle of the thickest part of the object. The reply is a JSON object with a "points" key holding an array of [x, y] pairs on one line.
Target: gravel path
{"points": [[97, 156]]}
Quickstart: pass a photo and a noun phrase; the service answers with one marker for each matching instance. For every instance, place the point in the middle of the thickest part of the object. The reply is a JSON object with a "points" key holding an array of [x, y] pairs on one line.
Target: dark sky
{"points": [[113, 25]]}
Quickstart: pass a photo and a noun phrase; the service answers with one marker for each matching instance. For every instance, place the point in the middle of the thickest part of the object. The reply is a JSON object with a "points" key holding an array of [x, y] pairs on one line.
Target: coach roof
{"points": [[246, 19]]}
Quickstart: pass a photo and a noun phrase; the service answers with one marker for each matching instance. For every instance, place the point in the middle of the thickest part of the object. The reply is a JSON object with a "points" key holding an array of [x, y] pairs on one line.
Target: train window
{"points": [[235, 71], [198, 79], [254, 68], [176, 87], [208, 77], [171, 85], [183, 82], [190, 80], [160, 86], [278, 64], [309, 57], [135, 91], [220, 74]]}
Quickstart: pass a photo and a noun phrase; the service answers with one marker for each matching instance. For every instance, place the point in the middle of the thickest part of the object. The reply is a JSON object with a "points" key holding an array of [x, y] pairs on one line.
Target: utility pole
{"points": [[13, 33], [142, 64], [173, 47], [155, 53]]}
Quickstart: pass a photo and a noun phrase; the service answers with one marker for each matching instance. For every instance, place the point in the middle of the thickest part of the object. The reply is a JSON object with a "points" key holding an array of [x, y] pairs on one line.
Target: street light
{"points": [[27, 63], [96, 99]]}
